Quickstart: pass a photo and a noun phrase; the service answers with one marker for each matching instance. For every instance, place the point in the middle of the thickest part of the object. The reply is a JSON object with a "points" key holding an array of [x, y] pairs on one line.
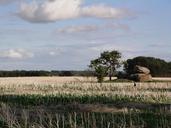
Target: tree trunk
{"points": [[110, 77], [110, 74]]}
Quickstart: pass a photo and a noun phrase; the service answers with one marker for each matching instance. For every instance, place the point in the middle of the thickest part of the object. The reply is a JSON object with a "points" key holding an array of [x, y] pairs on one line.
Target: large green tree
{"points": [[106, 64]]}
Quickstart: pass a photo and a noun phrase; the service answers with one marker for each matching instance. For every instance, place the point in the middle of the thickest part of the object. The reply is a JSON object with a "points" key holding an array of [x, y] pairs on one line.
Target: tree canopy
{"points": [[158, 67], [106, 64]]}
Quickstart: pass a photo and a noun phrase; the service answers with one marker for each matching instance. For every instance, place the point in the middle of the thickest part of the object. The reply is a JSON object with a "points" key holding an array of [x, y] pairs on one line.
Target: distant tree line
{"points": [[23, 73], [105, 65]]}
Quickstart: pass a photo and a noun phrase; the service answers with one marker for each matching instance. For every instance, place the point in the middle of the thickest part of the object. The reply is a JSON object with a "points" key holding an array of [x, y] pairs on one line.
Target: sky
{"points": [[67, 34]]}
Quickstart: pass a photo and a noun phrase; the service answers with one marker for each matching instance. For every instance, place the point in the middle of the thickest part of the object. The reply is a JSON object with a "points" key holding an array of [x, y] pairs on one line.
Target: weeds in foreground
{"points": [[44, 119]]}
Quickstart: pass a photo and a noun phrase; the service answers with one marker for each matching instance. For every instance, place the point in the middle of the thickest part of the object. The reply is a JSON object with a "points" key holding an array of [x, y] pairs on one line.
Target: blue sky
{"points": [[67, 34]]}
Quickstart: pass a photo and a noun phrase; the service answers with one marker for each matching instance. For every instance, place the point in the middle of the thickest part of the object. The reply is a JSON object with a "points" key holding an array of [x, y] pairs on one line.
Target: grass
{"points": [[45, 119], [28, 100]]}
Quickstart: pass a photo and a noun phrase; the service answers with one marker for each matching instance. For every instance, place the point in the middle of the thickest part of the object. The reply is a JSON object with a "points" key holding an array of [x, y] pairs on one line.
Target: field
{"points": [[80, 102]]}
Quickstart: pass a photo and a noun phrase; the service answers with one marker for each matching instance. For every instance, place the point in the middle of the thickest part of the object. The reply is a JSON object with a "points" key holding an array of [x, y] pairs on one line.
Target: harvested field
{"points": [[54, 80], [44, 80], [78, 102], [162, 78]]}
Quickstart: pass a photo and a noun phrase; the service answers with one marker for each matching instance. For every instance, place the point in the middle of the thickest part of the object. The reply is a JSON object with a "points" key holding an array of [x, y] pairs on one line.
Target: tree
{"points": [[106, 64], [100, 70], [158, 67], [169, 67]]}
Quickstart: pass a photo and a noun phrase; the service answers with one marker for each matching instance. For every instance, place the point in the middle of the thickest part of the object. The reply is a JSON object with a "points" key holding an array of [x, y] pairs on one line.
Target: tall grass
{"points": [[44, 119]]}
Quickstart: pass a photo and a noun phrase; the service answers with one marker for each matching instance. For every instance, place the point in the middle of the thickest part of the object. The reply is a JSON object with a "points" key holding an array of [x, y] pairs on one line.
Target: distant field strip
{"points": [[44, 80], [54, 80], [162, 78]]}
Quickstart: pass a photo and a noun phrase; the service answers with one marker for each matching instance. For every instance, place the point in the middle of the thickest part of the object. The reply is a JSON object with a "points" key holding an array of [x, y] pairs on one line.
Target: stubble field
{"points": [[80, 102]]}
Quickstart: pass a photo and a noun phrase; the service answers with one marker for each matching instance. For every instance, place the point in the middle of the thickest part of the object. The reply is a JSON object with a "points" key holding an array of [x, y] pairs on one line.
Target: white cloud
{"points": [[75, 29], [53, 10], [55, 51], [92, 28], [16, 54], [7, 1], [110, 46], [104, 11], [50, 10], [116, 26], [52, 53]]}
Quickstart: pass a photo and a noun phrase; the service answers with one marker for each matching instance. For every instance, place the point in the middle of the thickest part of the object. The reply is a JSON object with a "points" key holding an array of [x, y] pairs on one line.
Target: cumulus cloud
{"points": [[16, 54], [50, 10], [54, 10]]}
